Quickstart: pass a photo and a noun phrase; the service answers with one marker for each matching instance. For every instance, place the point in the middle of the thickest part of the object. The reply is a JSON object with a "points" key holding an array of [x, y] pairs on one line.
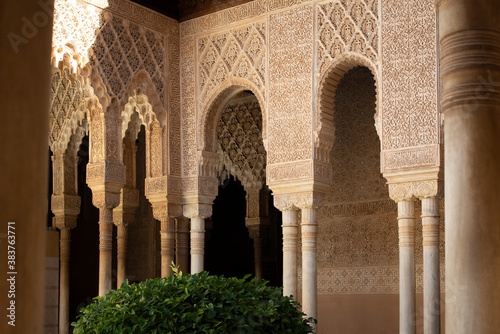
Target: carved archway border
{"points": [[141, 83], [67, 62], [327, 87], [214, 106]]}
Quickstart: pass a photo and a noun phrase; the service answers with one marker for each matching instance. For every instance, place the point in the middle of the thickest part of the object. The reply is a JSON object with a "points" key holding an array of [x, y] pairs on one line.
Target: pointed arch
{"points": [[327, 87], [212, 109]]}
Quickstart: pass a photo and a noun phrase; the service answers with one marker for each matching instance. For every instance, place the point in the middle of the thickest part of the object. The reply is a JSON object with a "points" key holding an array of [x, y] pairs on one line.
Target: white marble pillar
{"points": [[430, 233], [182, 244], [121, 245], [65, 248], [105, 249], [470, 75], [197, 244], [309, 226], [406, 222], [167, 245], [290, 235]]}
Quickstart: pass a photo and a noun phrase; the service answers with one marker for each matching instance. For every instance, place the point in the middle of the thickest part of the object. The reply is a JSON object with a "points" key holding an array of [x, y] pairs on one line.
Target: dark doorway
{"points": [[229, 249]]}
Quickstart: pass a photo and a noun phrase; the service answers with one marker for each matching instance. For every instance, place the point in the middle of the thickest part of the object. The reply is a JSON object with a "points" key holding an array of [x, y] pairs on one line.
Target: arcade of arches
{"points": [[300, 141]]}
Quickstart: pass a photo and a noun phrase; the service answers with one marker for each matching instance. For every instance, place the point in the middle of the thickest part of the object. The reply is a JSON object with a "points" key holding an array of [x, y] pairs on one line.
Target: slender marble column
{"points": [[430, 232], [197, 244], [470, 75], [182, 244], [121, 240], [290, 232], [167, 245], [65, 248], [105, 247], [406, 222], [309, 226], [257, 248]]}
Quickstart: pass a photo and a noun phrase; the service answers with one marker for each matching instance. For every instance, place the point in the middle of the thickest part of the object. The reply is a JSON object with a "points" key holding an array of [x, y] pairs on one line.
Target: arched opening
{"points": [[143, 246], [84, 278], [357, 239], [244, 234], [229, 247]]}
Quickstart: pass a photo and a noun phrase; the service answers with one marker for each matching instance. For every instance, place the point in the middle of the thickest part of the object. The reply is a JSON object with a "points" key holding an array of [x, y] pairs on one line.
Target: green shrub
{"points": [[198, 303]]}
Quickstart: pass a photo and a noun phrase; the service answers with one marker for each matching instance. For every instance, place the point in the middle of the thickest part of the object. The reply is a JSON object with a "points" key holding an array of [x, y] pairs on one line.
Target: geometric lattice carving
{"points": [[122, 48], [66, 111], [347, 26], [239, 53], [241, 149]]}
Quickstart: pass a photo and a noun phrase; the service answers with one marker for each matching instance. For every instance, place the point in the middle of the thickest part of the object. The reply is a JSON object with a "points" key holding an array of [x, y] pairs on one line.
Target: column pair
{"points": [[430, 231], [308, 227], [173, 236], [197, 213], [174, 244]]}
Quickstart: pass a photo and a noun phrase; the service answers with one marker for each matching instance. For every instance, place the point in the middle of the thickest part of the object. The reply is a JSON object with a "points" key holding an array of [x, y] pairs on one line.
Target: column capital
{"points": [[63, 204], [162, 210], [415, 189], [299, 200], [197, 210], [105, 199]]}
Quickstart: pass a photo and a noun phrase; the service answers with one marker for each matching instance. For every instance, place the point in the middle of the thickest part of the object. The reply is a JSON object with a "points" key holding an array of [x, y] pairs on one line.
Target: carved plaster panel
{"points": [[122, 48], [346, 27], [410, 81], [76, 24], [290, 85], [67, 111], [241, 150], [239, 53], [188, 100]]}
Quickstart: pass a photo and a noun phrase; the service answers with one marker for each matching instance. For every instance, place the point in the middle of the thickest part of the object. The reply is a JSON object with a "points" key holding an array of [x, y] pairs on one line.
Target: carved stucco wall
{"points": [[358, 234], [280, 70], [410, 119]]}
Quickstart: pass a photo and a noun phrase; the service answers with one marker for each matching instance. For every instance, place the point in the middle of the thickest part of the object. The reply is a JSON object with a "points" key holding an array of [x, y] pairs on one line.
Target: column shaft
{"points": [[182, 244], [105, 247], [290, 233], [470, 75], [197, 244], [309, 228], [430, 232], [257, 248], [121, 239], [65, 245], [406, 222], [167, 245]]}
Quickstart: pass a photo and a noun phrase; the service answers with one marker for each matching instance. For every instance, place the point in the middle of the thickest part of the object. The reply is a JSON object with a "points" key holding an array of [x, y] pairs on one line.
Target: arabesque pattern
{"points": [[122, 48], [346, 26], [236, 53], [66, 111]]}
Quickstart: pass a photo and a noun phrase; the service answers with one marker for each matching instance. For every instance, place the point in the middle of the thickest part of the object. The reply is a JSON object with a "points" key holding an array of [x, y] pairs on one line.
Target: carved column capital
{"points": [[162, 210], [105, 199], [306, 199], [197, 210], [416, 189], [401, 191]]}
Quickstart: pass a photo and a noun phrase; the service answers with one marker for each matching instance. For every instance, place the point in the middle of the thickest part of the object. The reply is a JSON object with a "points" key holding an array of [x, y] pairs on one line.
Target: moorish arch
{"points": [[207, 139], [327, 87], [233, 131]]}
